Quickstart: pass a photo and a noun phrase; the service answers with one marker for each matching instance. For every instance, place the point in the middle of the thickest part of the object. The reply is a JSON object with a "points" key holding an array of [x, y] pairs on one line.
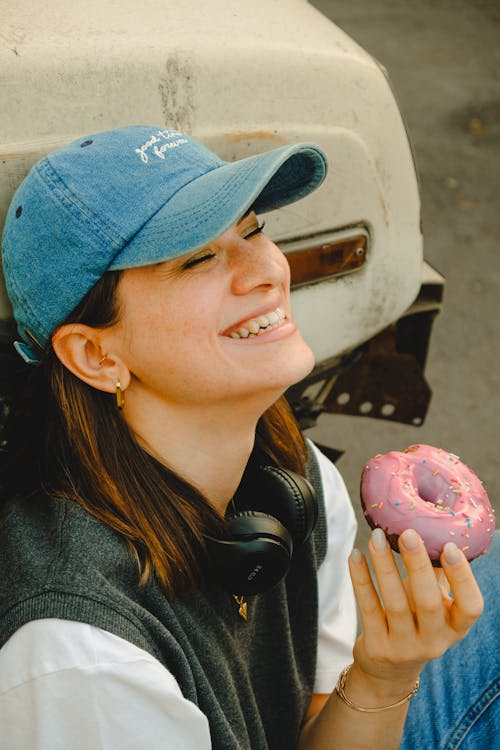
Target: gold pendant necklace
{"points": [[242, 607]]}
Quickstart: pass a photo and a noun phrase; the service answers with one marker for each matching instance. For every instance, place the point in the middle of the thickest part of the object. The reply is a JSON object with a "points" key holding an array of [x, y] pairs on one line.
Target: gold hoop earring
{"points": [[120, 400], [101, 361]]}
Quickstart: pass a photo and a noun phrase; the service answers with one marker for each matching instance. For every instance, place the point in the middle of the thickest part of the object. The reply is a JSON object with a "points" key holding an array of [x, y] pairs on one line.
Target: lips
{"points": [[255, 326]]}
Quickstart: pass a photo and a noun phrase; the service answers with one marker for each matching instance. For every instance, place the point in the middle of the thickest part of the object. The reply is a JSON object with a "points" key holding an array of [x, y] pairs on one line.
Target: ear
{"points": [[81, 350]]}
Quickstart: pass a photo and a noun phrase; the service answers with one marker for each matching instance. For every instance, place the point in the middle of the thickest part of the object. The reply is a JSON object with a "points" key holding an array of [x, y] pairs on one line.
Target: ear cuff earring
{"points": [[120, 400]]}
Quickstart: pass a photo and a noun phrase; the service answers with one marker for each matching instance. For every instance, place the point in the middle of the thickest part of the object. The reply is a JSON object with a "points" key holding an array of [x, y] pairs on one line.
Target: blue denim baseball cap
{"points": [[129, 197]]}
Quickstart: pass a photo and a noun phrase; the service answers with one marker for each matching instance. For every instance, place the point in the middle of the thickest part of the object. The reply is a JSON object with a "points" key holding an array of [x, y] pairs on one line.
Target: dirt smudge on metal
{"points": [[176, 90]]}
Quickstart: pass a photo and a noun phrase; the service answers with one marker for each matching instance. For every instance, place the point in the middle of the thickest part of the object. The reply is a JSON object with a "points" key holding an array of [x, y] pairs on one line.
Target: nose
{"points": [[258, 263]]}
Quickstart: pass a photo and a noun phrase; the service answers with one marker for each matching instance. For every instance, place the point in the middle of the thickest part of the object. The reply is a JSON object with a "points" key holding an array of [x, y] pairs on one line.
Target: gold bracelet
{"points": [[340, 690]]}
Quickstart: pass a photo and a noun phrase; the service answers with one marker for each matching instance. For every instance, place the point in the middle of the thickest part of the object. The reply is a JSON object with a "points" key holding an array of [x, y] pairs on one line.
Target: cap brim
{"points": [[209, 205]]}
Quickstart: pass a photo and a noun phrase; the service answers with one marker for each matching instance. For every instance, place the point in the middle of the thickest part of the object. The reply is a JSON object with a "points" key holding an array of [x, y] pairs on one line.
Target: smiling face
{"points": [[213, 326]]}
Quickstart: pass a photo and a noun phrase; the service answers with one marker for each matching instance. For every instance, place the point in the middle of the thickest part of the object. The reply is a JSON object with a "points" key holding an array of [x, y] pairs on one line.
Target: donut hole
{"points": [[426, 492], [430, 488]]}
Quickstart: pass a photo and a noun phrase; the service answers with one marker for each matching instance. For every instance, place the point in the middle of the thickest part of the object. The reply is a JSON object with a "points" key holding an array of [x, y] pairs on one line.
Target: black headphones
{"points": [[276, 512]]}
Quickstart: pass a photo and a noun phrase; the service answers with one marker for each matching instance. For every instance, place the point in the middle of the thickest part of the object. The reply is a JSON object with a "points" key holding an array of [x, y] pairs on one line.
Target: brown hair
{"points": [[90, 455]]}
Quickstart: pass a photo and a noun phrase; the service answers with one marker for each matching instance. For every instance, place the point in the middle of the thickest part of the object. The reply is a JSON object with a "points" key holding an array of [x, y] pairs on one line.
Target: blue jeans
{"points": [[457, 705]]}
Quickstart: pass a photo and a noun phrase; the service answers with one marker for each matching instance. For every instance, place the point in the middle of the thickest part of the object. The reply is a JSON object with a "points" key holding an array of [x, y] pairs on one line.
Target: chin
{"points": [[296, 366]]}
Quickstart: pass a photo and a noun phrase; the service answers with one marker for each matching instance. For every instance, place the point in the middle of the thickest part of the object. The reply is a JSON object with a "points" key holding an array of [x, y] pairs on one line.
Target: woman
{"points": [[137, 607]]}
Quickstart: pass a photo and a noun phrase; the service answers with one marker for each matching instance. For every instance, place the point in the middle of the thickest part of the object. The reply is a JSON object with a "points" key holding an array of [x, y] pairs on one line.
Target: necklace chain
{"points": [[240, 601]]}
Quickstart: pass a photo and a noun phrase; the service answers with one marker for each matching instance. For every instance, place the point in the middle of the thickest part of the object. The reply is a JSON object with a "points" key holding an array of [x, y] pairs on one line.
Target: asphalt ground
{"points": [[443, 59]]}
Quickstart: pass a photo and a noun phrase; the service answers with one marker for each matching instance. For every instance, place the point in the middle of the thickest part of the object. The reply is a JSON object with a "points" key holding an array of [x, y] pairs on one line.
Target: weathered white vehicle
{"points": [[243, 77]]}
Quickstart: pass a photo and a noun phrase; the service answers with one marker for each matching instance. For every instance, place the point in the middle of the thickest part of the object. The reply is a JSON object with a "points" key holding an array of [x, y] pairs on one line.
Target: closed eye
{"points": [[255, 231], [191, 262], [208, 255]]}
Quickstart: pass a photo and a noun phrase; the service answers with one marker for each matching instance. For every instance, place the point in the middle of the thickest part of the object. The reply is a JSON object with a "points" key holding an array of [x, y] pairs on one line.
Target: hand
{"points": [[408, 623]]}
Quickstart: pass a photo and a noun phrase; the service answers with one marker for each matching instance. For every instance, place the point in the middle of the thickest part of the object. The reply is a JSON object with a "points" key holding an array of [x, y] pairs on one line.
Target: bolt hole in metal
{"points": [[387, 410], [343, 398], [366, 407]]}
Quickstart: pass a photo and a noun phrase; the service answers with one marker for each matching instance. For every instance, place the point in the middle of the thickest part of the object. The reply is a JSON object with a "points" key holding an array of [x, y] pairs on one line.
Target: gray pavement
{"points": [[443, 58]]}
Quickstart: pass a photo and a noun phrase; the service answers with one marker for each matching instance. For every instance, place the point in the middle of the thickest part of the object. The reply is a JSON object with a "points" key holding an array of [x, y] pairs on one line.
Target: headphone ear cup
{"points": [[287, 496], [251, 524], [257, 551], [255, 557]]}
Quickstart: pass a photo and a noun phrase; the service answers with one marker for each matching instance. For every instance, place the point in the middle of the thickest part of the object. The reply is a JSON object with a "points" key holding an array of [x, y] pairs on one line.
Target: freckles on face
{"points": [[168, 326], [177, 317]]}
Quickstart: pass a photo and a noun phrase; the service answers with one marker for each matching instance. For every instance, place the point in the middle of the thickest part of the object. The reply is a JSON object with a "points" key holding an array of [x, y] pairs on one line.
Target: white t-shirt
{"points": [[71, 686]]}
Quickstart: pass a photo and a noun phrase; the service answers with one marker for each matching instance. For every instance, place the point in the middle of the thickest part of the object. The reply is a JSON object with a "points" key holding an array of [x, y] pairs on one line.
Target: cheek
{"points": [[165, 329], [161, 326]]}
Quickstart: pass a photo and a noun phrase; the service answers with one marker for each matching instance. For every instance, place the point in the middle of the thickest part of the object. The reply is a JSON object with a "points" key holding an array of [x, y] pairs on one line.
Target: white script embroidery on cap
{"points": [[165, 135], [172, 144]]}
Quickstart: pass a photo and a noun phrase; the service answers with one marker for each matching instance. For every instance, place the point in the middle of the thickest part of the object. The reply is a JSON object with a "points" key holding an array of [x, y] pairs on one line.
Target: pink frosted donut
{"points": [[431, 491]]}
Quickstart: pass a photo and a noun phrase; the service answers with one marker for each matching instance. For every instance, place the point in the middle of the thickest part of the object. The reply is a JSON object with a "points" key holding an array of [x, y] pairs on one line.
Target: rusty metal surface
{"points": [[384, 385], [387, 381]]}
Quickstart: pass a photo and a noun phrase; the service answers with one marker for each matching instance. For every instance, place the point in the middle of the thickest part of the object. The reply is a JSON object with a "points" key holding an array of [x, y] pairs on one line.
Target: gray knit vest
{"points": [[253, 680]]}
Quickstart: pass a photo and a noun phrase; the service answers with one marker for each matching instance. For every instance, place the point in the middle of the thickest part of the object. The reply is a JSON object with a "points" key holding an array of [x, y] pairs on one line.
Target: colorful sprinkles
{"points": [[425, 484]]}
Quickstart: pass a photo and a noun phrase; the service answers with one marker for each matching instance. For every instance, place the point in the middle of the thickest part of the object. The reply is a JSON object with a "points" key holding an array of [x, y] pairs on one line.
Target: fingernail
{"points": [[356, 556], [410, 539], [451, 553], [379, 540]]}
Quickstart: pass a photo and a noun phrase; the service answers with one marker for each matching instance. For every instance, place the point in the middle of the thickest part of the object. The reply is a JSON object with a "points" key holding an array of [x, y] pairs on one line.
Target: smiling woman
{"points": [[174, 562], [198, 306]]}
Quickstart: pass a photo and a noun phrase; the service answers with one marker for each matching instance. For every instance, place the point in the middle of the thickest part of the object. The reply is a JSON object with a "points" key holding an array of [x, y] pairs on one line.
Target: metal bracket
{"points": [[385, 383]]}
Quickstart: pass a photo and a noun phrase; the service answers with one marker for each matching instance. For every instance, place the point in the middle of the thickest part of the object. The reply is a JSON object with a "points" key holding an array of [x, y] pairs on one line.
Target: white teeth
{"points": [[262, 323]]}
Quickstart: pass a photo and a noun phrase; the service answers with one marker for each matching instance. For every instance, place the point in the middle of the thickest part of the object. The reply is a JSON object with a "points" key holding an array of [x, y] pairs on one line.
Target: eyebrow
{"points": [[245, 216]]}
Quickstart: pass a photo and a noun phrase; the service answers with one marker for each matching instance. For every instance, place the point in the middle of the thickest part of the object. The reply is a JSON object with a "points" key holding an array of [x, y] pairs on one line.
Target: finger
{"points": [[409, 594], [467, 598], [426, 595], [370, 609], [392, 591], [442, 582]]}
